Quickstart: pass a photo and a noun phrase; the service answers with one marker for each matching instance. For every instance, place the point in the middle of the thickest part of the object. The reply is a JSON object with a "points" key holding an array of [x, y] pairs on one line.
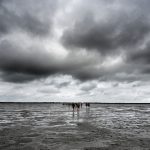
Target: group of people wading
{"points": [[79, 105], [76, 107]]}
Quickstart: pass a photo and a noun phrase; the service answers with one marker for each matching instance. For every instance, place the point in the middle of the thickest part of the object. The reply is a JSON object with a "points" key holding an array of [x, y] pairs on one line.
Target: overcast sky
{"points": [[75, 50]]}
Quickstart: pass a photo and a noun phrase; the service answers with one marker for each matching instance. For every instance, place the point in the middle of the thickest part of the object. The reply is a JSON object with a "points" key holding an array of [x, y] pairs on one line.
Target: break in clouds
{"points": [[98, 50]]}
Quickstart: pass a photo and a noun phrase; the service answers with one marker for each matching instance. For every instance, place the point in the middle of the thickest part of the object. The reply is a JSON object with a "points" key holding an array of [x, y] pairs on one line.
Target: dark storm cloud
{"points": [[26, 18], [141, 56], [119, 27], [18, 77], [35, 62], [21, 64], [94, 35], [87, 73], [31, 61], [122, 30], [140, 59]]}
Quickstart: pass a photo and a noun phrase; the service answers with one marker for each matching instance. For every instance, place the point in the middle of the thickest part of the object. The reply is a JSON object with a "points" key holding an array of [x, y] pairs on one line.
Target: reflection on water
{"points": [[87, 112], [57, 126]]}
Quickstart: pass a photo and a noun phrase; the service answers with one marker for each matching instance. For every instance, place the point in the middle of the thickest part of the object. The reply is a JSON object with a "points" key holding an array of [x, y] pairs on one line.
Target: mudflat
{"points": [[57, 127]]}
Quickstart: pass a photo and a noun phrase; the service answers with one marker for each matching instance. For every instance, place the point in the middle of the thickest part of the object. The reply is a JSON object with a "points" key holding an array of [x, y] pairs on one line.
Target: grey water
{"points": [[46, 126]]}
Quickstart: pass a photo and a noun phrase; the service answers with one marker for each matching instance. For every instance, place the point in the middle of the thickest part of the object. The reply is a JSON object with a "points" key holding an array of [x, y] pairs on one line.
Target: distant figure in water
{"points": [[87, 104], [78, 106], [73, 106]]}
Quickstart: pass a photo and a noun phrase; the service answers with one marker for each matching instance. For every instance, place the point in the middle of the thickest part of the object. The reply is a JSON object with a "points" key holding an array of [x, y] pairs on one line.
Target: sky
{"points": [[75, 50]]}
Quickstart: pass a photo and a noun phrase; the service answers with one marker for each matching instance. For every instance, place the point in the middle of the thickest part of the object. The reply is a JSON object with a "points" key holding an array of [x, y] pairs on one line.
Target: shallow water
{"points": [[57, 127]]}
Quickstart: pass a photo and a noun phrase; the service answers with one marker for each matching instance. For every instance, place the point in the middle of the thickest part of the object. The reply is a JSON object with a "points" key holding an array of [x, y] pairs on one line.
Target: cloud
{"points": [[21, 63], [15, 58], [27, 16], [71, 50], [99, 40], [109, 31], [18, 77], [141, 55], [48, 91], [88, 87]]}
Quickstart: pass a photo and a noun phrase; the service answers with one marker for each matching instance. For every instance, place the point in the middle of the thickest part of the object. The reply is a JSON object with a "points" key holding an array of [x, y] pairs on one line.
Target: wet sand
{"points": [[57, 127]]}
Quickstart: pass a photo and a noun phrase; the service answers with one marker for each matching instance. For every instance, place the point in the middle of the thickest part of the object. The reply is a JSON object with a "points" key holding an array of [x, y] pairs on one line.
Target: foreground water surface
{"points": [[57, 127]]}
